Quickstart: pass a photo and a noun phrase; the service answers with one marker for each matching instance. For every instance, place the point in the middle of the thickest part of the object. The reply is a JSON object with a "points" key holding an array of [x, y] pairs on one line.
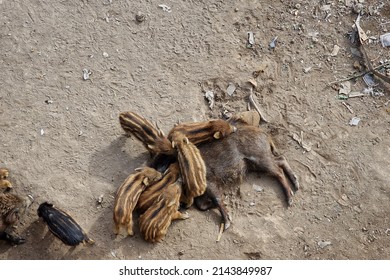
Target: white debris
{"points": [[324, 244], [385, 40], [42, 132], [299, 139], [272, 45], [165, 8], [307, 69], [258, 188], [362, 34], [345, 88], [210, 97], [354, 121], [355, 94], [105, 54], [100, 199], [231, 89], [86, 74], [335, 50], [251, 39]]}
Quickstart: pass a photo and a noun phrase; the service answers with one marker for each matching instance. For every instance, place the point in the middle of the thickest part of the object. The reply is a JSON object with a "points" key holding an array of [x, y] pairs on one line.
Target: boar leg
{"points": [[272, 167], [282, 163], [212, 199]]}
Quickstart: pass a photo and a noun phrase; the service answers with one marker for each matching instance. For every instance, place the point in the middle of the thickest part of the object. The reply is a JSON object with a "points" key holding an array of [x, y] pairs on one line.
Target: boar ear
{"points": [[145, 181], [217, 135]]}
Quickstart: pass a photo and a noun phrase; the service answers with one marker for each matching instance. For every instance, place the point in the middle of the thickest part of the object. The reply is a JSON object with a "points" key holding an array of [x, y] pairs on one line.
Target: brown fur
{"points": [[152, 192], [3, 173], [192, 168], [4, 184], [128, 194], [158, 217], [248, 117], [203, 132], [229, 160], [251, 118], [12, 207], [153, 140]]}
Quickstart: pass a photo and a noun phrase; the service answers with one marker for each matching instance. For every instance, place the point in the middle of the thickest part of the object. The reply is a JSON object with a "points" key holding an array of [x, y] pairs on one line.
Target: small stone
{"points": [[324, 244], [231, 89], [299, 229], [335, 50], [357, 209], [252, 204], [140, 17], [105, 54], [258, 188]]}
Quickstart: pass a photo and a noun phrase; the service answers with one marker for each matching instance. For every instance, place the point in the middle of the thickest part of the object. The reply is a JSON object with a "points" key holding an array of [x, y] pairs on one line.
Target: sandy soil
{"points": [[62, 142]]}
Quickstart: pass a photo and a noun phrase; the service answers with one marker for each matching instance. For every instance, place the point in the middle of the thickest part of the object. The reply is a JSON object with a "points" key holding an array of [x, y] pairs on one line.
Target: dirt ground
{"points": [[61, 140]]}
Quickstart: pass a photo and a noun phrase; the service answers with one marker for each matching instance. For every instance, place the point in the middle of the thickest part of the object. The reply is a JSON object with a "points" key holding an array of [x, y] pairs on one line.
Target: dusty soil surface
{"points": [[61, 140]]}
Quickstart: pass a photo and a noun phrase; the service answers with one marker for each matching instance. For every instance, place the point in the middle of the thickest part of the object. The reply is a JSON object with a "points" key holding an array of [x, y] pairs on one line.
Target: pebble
{"points": [[357, 209], [140, 17], [258, 188], [324, 244], [299, 229]]}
